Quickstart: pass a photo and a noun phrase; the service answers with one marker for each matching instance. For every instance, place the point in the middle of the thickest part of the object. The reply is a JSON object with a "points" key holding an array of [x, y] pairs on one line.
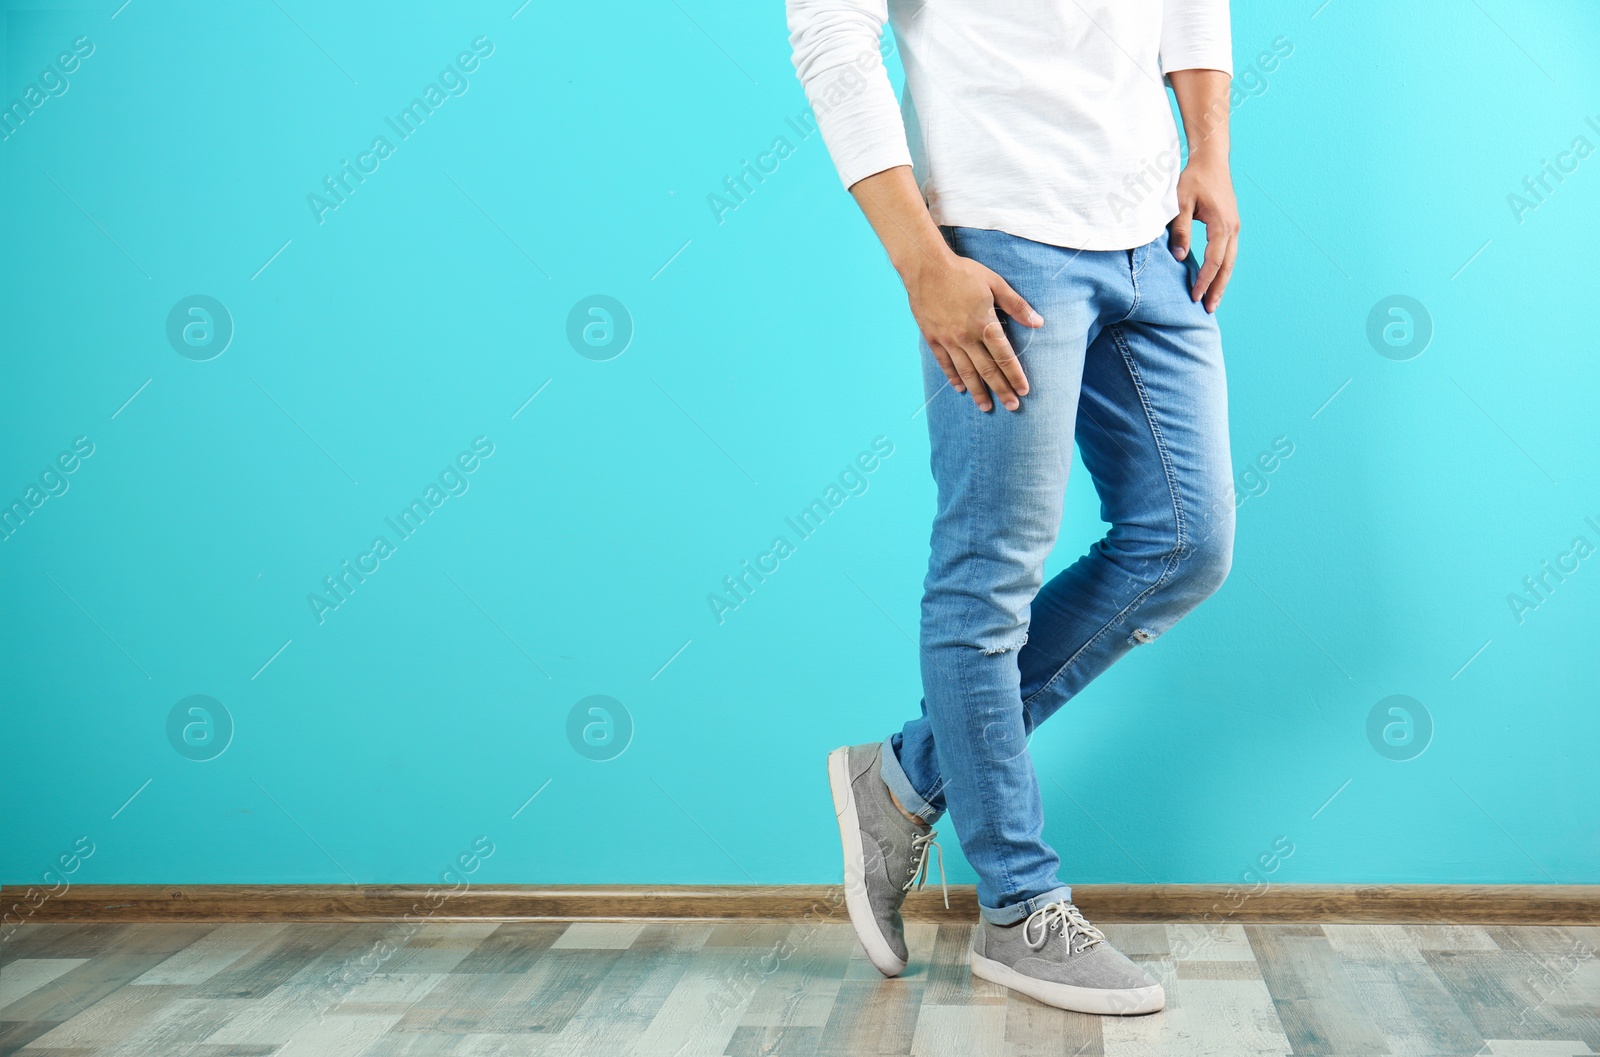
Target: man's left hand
{"points": [[1205, 193]]}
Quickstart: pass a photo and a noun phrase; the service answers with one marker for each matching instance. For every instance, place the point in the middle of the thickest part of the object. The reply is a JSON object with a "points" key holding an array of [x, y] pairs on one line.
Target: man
{"points": [[1028, 194]]}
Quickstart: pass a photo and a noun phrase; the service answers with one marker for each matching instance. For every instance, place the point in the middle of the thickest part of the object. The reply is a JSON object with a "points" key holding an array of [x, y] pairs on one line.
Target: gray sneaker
{"points": [[1060, 959], [884, 852]]}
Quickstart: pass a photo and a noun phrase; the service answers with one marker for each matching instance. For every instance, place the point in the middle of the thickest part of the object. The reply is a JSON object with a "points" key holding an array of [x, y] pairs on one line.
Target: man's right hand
{"points": [[954, 299]]}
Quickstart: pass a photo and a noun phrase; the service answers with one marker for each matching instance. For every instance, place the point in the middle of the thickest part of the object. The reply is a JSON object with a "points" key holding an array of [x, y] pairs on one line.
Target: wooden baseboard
{"points": [[1431, 904]]}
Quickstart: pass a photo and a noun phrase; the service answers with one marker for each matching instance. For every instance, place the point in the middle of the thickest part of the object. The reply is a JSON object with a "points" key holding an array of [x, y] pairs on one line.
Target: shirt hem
{"points": [[1054, 233]]}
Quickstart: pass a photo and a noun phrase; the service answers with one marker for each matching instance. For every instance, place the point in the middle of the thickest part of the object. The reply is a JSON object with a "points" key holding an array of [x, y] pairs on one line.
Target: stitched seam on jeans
{"points": [[978, 530], [937, 792], [928, 800], [972, 424], [1133, 281], [1177, 512], [925, 808], [983, 437], [1161, 445]]}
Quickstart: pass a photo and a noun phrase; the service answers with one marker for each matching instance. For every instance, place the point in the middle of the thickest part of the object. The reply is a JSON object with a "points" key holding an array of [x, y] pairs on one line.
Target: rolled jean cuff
{"points": [[894, 776], [1017, 911]]}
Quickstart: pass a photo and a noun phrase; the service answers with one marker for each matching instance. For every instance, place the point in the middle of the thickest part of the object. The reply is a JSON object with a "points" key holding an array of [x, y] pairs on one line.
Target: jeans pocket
{"points": [[1191, 265]]}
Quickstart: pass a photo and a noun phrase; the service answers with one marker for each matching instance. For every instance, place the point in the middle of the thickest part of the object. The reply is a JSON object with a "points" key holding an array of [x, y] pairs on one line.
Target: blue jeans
{"points": [[1131, 368]]}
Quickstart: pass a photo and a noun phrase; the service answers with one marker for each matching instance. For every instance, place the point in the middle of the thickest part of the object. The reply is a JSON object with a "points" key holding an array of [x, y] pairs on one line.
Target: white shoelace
{"points": [[920, 846], [1065, 919]]}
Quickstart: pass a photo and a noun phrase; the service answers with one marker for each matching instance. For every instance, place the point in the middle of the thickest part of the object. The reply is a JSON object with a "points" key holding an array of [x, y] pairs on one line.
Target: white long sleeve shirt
{"points": [[1046, 119]]}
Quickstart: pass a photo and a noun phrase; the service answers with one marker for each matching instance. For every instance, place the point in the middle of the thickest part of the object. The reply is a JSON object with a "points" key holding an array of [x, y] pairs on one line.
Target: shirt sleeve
{"points": [[1195, 36], [837, 57]]}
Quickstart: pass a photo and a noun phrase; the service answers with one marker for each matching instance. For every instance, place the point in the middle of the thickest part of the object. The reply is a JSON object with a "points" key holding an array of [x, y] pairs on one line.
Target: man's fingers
{"points": [[947, 366], [1178, 238], [1012, 304], [1216, 250], [970, 378], [992, 375], [994, 339], [1220, 283]]}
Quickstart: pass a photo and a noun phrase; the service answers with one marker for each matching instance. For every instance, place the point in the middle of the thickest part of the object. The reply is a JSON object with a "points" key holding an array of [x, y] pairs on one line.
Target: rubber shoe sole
{"points": [[878, 951], [1101, 1000]]}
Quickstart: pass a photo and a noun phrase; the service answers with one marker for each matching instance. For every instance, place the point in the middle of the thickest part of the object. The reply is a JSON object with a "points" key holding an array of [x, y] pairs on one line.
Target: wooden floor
{"points": [[680, 990]]}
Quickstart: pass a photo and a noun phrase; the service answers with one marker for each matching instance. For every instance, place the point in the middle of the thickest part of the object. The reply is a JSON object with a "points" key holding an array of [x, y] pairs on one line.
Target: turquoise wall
{"points": [[595, 477]]}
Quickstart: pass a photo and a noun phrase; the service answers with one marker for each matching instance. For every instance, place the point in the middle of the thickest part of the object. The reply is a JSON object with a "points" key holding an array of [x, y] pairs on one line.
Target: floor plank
{"points": [[1315, 998], [212, 953], [1517, 996], [512, 948], [112, 1018], [184, 1022], [949, 974], [1234, 1017], [1036, 1030], [25, 975], [624, 1002], [1407, 1003], [875, 1018], [137, 949]]}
